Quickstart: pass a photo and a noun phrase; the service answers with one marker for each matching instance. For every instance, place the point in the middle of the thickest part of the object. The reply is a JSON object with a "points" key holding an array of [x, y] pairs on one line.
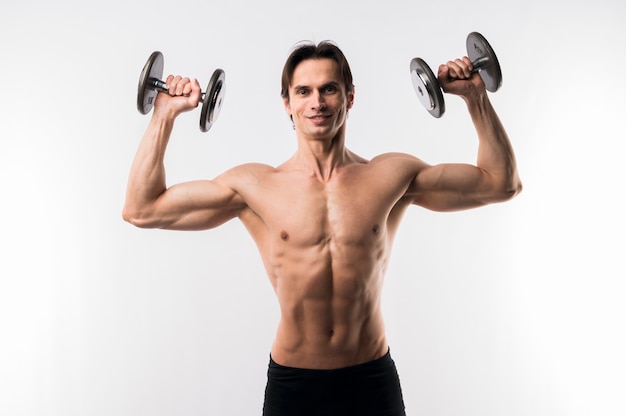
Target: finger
{"points": [[194, 89], [444, 72], [453, 70], [465, 67], [446, 76], [187, 86], [469, 63], [181, 84], [459, 69], [168, 82], [172, 84]]}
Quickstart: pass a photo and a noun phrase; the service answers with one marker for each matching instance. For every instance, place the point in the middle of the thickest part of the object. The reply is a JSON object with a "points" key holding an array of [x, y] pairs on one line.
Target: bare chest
{"points": [[307, 212]]}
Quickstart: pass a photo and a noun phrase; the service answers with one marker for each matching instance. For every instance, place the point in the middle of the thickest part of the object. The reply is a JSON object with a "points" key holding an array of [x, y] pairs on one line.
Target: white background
{"points": [[512, 309]]}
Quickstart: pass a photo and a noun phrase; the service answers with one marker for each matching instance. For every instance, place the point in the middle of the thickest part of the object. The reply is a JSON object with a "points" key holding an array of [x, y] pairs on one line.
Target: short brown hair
{"points": [[308, 50]]}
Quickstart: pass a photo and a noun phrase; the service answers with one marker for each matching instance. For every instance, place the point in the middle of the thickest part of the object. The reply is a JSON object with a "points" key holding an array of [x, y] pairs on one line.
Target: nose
{"points": [[317, 101]]}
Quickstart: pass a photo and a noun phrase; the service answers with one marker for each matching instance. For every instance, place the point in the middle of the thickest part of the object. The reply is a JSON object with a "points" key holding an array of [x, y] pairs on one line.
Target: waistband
{"points": [[385, 359]]}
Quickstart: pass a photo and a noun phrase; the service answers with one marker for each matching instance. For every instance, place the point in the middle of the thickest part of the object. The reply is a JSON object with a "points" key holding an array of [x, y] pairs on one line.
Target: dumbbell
{"points": [[150, 85], [483, 59]]}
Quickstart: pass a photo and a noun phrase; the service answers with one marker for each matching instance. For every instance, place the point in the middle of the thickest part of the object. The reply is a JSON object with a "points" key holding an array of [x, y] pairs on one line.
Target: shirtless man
{"points": [[323, 222]]}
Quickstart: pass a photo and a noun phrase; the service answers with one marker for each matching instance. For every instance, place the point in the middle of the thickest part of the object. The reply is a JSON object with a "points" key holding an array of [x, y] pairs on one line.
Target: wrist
{"points": [[165, 116], [161, 125], [477, 102]]}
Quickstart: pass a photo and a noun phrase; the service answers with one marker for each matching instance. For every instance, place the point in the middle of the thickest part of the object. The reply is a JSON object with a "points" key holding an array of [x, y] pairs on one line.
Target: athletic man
{"points": [[324, 222]]}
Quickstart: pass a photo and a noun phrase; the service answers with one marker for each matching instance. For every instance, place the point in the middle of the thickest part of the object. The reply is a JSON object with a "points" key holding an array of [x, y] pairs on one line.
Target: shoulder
{"points": [[398, 161], [248, 169], [389, 172], [241, 176]]}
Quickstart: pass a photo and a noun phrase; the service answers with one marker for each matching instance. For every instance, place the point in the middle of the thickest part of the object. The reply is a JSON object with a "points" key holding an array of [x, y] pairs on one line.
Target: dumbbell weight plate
{"points": [[213, 100], [427, 87], [480, 52], [146, 93]]}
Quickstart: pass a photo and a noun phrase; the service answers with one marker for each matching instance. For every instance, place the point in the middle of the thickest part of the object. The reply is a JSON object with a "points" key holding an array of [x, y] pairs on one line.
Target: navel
{"points": [[375, 229]]}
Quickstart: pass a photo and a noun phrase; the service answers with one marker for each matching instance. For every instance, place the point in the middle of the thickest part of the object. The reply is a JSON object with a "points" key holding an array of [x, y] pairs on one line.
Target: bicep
{"points": [[196, 205], [451, 187]]}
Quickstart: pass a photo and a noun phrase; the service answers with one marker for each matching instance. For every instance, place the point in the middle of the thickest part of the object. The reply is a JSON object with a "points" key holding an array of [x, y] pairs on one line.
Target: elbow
{"points": [[516, 189], [127, 215], [131, 217], [509, 191], [515, 186], [134, 217]]}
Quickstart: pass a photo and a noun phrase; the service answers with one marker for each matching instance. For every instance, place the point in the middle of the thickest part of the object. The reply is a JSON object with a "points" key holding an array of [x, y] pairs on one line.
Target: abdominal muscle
{"points": [[329, 297]]}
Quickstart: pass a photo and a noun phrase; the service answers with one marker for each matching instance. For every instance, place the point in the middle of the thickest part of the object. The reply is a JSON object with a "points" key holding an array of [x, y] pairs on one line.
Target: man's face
{"points": [[318, 102]]}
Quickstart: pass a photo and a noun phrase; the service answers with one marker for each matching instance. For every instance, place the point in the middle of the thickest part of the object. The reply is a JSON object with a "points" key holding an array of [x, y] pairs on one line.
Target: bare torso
{"points": [[324, 221], [325, 246]]}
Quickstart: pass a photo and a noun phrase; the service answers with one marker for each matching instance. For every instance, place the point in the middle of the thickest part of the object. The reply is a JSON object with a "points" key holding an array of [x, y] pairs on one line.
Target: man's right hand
{"points": [[184, 95], [456, 77]]}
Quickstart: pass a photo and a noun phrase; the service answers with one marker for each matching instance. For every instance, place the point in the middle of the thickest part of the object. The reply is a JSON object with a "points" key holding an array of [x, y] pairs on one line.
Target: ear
{"points": [[287, 106], [350, 99]]}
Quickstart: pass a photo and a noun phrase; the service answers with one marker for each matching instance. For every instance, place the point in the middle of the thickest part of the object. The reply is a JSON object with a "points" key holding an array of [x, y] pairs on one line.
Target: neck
{"points": [[321, 157]]}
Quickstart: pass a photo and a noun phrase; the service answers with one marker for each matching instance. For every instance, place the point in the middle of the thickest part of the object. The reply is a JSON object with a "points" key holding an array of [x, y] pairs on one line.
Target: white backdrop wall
{"points": [[512, 309]]}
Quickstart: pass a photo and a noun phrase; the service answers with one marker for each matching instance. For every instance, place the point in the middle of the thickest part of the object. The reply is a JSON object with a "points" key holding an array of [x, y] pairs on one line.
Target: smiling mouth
{"points": [[319, 118]]}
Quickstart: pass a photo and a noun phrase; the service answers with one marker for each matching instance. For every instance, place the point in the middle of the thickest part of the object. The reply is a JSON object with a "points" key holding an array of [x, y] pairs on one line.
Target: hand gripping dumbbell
{"points": [[150, 85], [483, 59]]}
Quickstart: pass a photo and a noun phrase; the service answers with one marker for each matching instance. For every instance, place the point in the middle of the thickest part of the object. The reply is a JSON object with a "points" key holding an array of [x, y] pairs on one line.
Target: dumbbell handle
{"points": [[479, 64], [159, 85]]}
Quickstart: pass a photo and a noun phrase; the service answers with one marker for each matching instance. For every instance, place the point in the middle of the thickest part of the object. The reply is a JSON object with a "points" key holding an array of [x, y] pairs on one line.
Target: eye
{"points": [[302, 91], [331, 89]]}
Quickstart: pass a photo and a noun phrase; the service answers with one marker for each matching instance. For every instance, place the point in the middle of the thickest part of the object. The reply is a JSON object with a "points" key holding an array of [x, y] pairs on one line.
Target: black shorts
{"points": [[369, 389]]}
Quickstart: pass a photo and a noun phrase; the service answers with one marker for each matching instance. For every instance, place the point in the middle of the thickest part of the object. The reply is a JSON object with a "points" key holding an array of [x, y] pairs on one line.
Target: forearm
{"points": [[495, 152], [147, 174]]}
